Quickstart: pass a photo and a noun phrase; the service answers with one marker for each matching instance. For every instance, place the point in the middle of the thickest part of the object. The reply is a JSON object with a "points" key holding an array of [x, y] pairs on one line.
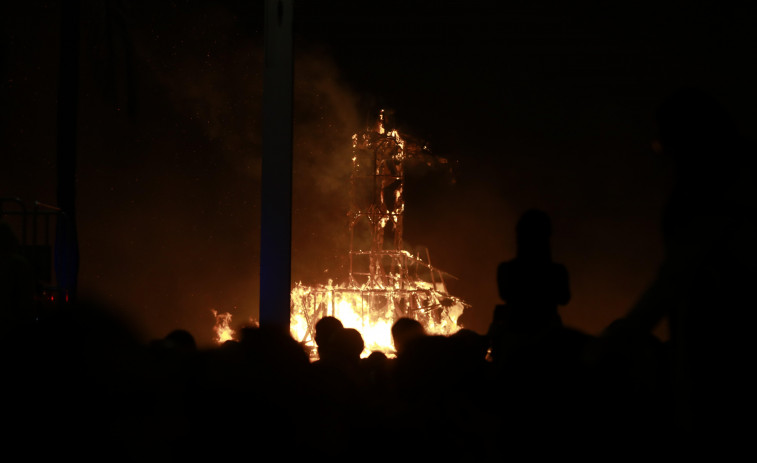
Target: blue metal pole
{"points": [[276, 182]]}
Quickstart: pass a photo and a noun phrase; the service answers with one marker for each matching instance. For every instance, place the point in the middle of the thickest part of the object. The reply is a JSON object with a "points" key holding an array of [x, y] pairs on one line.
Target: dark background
{"points": [[535, 104]]}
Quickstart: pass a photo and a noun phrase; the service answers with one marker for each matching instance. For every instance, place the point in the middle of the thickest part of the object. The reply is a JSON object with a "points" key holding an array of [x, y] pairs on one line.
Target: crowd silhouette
{"points": [[78, 384]]}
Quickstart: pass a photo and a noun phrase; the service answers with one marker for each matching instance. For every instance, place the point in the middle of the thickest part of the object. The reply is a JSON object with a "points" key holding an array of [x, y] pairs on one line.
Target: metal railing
{"points": [[34, 228]]}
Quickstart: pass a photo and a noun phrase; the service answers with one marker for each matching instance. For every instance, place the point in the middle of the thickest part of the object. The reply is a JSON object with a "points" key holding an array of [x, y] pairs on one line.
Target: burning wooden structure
{"points": [[385, 281]]}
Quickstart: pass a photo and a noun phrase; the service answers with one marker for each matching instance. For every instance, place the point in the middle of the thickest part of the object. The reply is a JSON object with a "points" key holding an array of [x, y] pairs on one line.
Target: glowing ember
{"points": [[222, 327]]}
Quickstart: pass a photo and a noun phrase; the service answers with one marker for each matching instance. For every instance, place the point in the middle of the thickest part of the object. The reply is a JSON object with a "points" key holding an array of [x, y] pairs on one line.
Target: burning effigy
{"points": [[385, 281]]}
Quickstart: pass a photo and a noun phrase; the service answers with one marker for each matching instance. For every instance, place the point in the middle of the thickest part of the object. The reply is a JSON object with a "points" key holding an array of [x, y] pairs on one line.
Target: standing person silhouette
{"points": [[532, 287], [705, 284]]}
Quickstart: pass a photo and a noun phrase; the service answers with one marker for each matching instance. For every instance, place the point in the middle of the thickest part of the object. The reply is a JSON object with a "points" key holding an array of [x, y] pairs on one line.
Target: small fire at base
{"points": [[385, 281], [222, 327]]}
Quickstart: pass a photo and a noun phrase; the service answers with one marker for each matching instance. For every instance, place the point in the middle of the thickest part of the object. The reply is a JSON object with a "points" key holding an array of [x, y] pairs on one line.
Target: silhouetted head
{"points": [[377, 357], [180, 340], [272, 346], [324, 331], [404, 330], [348, 344], [470, 344], [325, 327], [533, 231]]}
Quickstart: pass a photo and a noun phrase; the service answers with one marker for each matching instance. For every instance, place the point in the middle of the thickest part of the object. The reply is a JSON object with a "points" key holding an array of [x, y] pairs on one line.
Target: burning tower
{"points": [[385, 280]]}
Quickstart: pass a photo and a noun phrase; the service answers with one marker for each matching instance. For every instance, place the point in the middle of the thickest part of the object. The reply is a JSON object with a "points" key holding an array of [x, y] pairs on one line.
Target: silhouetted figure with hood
{"points": [[532, 287], [706, 283]]}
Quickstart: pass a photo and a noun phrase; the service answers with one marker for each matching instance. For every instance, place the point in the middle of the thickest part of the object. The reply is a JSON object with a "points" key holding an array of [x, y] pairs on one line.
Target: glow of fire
{"points": [[372, 310], [222, 327]]}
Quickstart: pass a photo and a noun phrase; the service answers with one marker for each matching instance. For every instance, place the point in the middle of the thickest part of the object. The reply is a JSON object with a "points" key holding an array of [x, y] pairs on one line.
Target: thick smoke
{"points": [[326, 115]]}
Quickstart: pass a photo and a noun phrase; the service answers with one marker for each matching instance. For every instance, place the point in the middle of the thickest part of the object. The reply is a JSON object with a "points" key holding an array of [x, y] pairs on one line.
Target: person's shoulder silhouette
{"points": [[705, 282]]}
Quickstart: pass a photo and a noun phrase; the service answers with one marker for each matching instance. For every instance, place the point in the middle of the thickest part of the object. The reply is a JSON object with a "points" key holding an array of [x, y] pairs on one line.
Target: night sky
{"points": [[534, 103]]}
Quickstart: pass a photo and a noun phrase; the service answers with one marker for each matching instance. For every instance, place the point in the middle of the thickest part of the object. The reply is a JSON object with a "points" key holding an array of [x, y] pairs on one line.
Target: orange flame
{"points": [[222, 327], [372, 311], [388, 288]]}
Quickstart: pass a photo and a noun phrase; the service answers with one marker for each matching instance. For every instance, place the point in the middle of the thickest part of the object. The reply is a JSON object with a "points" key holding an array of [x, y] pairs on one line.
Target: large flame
{"points": [[385, 281], [372, 310]]}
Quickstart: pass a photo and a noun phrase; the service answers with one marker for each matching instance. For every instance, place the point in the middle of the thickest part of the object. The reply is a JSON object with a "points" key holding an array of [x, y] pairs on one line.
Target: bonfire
{"points": [[385, 281]]}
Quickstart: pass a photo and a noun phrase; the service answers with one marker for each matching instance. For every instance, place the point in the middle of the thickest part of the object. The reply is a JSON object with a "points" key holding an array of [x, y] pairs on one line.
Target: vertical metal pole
{"points": [[67, 244], [276, 183]]}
